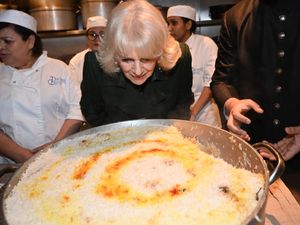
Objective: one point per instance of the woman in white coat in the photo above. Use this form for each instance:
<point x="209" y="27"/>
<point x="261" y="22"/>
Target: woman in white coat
<point x="95" y="28"/>
<point x="182" y="25"/>
<point x="39" y="102"/>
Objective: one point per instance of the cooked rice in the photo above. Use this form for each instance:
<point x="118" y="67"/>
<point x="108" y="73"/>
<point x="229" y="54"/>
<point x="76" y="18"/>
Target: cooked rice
<point x="132" y="176"/>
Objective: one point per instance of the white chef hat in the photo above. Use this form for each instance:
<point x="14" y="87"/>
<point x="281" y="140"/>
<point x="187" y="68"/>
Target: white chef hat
<point x="19" y="18"/>
<point x="96" y="21"/>
<point x="182" y="11"/>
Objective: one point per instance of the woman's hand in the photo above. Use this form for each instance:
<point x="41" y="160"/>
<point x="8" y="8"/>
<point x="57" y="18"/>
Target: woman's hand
<point x="235" y="109"/>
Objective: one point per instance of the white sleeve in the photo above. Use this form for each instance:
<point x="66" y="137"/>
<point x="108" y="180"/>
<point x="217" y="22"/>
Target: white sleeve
<point x="74" y="96"/>
<point x="210" y="55"/>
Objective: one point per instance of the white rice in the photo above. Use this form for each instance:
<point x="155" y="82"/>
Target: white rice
<point x="135" y="177"/>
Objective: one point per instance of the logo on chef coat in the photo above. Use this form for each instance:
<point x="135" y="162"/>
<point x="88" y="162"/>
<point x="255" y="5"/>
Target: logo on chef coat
<point x="56" y="80"/>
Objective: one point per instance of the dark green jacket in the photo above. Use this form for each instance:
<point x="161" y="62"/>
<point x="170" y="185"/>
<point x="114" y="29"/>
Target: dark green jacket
<point x="113" y="98"/>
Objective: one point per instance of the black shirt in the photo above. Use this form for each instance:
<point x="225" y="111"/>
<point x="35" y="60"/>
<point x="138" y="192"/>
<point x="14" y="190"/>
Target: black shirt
<point x="113" y="98"/>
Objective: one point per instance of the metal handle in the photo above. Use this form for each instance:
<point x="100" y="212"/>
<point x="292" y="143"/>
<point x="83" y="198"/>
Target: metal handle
<point x="279" y="168"/>
<point x="7" y="168"/>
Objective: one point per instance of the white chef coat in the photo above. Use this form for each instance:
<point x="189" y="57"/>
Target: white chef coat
<point x="76" y="65"/>
<point x="35" y="102"/>
<point x="204" y="54"/>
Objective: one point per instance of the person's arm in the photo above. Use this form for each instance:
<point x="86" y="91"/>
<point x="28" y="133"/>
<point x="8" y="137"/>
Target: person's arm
<point x="13" y="151"/>
<point x="76" y="66"/>
<point x="69" y="127"/>
<point x="222" y="80"/>
<point x="203" y="99"/>
<point x="185" y="95"/>
<point x="222" y="85"/>
<point x="235" y="109"/>
<point x="210" y="53"/>
<point x="91" y="103"/>
<point x="289" y="146"/>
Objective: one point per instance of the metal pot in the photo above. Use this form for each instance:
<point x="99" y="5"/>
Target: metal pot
<point x="54" y="19"/>
<point x="96" y="8"/>
<point x="3" y="7"/>
<point x="35" y="4"/>
<point x="53" y="15"/>
<point x="220" y="143"/>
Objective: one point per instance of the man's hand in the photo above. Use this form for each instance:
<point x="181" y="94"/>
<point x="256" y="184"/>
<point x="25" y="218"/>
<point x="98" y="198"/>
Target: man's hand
<point x="289" y="146"/>
<point x="235" y="109"/>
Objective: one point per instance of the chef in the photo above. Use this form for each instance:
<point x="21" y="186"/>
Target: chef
<point x="95" y="32"/>
<point x="182" y="25"/>
<point x="39" y="102"/>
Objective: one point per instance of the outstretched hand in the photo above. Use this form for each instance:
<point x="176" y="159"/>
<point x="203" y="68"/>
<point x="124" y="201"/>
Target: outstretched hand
<point x="236" y="109"/>
<point x="289" y="146"/>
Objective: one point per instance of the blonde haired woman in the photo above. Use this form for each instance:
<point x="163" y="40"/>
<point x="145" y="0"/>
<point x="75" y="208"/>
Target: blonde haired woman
<point x="140" y="72"/>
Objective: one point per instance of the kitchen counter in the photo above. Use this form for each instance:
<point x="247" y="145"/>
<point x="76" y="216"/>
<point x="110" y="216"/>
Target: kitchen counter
<point x="282" y="207"/>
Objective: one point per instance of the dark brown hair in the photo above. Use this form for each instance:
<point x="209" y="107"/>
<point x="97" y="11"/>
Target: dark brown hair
<point x="37" y="49"/>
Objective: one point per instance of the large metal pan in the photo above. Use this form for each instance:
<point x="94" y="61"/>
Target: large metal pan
<point x="219" y="143"/>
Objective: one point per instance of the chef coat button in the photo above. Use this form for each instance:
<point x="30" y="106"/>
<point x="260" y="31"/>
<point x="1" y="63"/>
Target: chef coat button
<point x="276" y="122"/>
<point x="280" y="53"/>
<point x="279" y="71"/>
<point x="278" y="89"/>
<point x="14" y="82"/>
<point x="277" y="105"/>
<point x="282" y="17"/>
<point x="281" y="35"/>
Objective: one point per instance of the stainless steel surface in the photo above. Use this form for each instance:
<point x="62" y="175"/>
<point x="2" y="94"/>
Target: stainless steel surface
<point x="96" y="8"/>
<point x="64" y="47"/>
<point x="54" y="19"/>
<point x="206" y="26"/>
<point x="49" y="4"/>
<point x="202" y="16"/>
<point x="53" y="15"/>
<point x="8" y="168"/>
<point x="217" y="142"/>
<point x="3" y="7"/>
<point x="280" y="167"/>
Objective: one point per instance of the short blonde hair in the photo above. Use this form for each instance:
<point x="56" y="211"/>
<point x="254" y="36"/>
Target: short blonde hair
<point x="136" y="25"/>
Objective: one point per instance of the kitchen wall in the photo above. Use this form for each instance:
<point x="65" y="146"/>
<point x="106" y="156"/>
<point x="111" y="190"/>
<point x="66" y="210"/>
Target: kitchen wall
<point x="64" y="45"/>
<point x="202" y="7"/>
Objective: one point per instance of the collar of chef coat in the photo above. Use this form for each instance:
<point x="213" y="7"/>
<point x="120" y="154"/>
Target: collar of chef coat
<point x="36" y="66"/>
<point x="190" y="40"/>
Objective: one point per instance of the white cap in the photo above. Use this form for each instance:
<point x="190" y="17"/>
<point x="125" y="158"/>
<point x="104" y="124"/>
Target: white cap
<point x="182" y="11"/>
<point x="19" y="18"/>
<point x="96" y="21"/>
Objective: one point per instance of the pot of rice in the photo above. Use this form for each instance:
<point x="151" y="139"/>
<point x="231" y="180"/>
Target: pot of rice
<point x="143" y="172"/>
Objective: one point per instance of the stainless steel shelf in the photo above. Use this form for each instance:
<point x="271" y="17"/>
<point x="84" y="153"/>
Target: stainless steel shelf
<point x="55" y="34"/>
<point x="68" y="33"/>
<point x="208" y="23"/>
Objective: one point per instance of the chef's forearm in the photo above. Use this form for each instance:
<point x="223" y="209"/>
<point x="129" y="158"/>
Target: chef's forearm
<point x="69" y="127"/>
<point x="203" y="99"/>
<point x="13" y="151"/>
